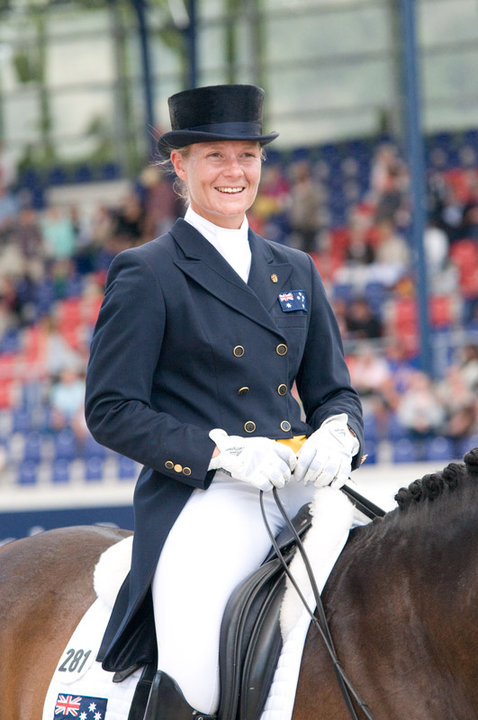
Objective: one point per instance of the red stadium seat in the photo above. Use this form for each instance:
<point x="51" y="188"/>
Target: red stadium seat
<point x="464" y="255"/>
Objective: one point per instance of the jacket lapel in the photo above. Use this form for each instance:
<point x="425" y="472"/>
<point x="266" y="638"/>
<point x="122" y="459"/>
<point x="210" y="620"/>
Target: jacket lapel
<point x="267" y="276"/>
<point x="208" y="268"/>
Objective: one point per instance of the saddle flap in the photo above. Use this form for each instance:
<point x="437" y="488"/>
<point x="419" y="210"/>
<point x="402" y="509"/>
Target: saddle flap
<point x="262" y="654"/>
<point x="236" y="631"/>
<point x="251" y="641"/>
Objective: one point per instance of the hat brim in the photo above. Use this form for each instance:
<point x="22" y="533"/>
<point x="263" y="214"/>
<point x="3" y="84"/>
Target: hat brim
<point x="176" y="139"/>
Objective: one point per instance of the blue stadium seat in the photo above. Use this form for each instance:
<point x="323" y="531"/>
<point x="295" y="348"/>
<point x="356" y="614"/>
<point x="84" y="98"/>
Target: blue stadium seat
<point x="94" y="469"/>
<point x="343" y="291"/>
<point x="370" y="452"/>
<point x="74" y="286"/>
<point x="33" y="448"/>
<point x="61" y="471"/>
<point x="439" y="448"/>
<point x="468" y="444"/>
<point x="371" y="427"/>
<point x="27" y="473"/>
<point x="127" y="468"/>
<point x="404" y="451"/>
<point x="395" y="430"/>
<point x="11" y="341"/>
<point x="112" y="171"/>
<point x="21" y="421"/>
<point x="93" y="449"/>
<point x="64" y="445"/>
<point x="83" y="174"/>
<point x="45" y="297"/>
<point x="375" y="293"/>
<point x="57" y="176"/>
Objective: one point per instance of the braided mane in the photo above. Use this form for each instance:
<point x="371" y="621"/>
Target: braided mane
<point x="431" y="486"/>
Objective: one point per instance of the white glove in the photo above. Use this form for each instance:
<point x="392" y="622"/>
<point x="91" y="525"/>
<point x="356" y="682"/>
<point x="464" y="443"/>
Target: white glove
<point x="326" y="456"/>
<point x="259" y="461"/>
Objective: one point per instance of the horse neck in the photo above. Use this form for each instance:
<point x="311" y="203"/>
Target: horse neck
<point x="436" y="538"/>
<point x="402" y="604"/>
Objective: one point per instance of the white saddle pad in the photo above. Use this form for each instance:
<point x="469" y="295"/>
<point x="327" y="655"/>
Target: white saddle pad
<point x="81" y="689"/>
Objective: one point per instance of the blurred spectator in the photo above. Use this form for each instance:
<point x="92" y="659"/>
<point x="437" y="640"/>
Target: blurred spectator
<point x="469" y="365"/>
<point x="391" y="247"/>
<point x="128" y="227"/>
<point x="469" y="221"/>
<point x="360" y="250"/>
<point x="360" y="320"/>
<point x="273" y="193"/>
<point x="8" y="322"/>
<point x="27" y="236"/>
<point x="8" y="168"/>
<point x="445" y="211"/>
<point x="58" y="233"/>
<point x="371" y="376"/>
<point x="388" y="184"/>
<point x="56" y="355"/>
<point x="67" y="403"/>
<point x="305" y="203"/>
<point x="161" y="204"/>
<point x="369" y="371"/>
<point x="400" y="365"/>
<point x="339" y="306"/>
<point x="459" y="404"/>
<point x="436" y="249"/>
<point x="419" y="409"/>
<point x="8" y="211"/>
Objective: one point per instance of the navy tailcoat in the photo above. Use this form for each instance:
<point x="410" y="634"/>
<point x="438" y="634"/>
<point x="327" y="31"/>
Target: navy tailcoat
<point x="182" y="345"/>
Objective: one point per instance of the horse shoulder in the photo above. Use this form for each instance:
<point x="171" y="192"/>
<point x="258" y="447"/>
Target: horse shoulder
<point x="46" y="585"/>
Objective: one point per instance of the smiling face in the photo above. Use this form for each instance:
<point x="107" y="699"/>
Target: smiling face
<point x="222" y="178"/>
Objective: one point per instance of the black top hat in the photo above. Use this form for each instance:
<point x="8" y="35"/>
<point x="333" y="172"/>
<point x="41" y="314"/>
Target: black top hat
<point x="217" y="112"/>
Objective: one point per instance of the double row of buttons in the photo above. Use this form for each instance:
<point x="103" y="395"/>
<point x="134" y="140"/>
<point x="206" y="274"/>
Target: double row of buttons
<point x="238" y="350"/>
<point x="281" y="390"/>
<point x="250" y="426"/>
<point x="169" y="465"/>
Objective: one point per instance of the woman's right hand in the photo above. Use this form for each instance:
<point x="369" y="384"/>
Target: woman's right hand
<point x="259" y="461"/>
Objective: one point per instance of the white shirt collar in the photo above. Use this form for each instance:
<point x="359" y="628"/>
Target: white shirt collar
<point x="233" y="245"/>
<point x="211" y="231"/>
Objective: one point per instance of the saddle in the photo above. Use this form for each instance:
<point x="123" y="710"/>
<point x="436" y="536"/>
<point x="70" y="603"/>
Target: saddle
<point x="250" y="641"/>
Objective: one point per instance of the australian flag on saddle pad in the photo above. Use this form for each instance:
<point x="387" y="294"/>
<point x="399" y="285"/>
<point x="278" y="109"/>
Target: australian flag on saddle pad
<point x="292" y="300"/>
<point x="81" y="707"/>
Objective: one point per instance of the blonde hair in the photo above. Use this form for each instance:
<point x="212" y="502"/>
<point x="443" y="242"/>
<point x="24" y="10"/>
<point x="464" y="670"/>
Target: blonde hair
<point x="179" y="186"/>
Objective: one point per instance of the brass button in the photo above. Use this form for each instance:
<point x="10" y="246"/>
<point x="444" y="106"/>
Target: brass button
<point x="178" y="468"/>
<point x="281" y="349"/>
<point x="186" y="471"/>
<point x="169" y="465"/>
<point x="285" y="426"/>
<point x="243" y="390"/>
<point x="249" y="426"/>
<point x="238" y="351"/>
<point x="282" y="389"/>
<point x="274" y="278"/>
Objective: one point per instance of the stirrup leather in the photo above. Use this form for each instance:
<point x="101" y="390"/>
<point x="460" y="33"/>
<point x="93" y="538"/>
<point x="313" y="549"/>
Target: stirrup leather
<point x="167" y="702"/>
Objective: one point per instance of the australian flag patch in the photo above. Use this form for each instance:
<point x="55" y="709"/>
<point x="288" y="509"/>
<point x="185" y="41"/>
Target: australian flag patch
<point x="292" y="300"/>
<point x="82" y="707"/>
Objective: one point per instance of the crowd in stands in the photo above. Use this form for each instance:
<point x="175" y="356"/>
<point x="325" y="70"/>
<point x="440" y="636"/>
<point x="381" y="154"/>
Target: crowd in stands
<point x="350" y="211"/>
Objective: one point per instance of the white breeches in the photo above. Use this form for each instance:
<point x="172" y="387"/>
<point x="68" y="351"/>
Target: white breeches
<point x="218" y="540"/>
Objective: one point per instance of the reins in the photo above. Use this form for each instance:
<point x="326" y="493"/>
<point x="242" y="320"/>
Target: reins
<point x="321" y="623"/>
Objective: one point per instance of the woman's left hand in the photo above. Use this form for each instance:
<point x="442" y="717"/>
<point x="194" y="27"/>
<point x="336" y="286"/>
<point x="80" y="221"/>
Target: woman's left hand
<point x="326" y="456"/>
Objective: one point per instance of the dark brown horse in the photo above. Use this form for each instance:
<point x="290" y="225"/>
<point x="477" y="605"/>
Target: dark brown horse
<point x="402" y="603"/>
